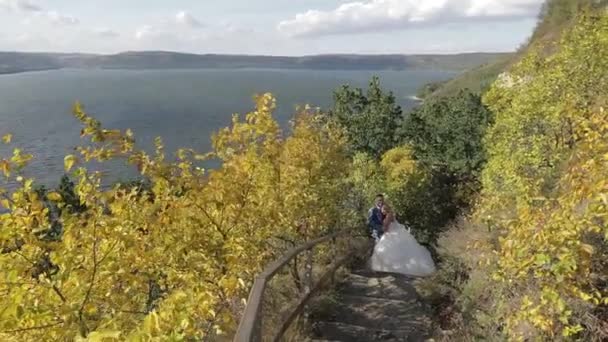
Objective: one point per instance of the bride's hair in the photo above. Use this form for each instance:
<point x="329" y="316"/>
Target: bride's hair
<point x="387" y="208"/>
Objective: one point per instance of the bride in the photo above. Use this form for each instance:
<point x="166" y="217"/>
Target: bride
<point x="399" y="252"/>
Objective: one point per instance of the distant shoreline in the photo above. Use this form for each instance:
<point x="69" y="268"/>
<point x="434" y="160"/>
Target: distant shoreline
<point x="412" y="97"/>
<point x="3" y="72"/>
<point x="19" y="62"/>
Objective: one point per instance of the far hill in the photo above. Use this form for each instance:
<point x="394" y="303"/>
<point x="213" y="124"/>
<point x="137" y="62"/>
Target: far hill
<point x="11" y="62"/>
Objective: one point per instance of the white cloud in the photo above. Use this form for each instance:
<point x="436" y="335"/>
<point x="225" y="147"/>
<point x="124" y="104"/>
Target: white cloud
<point x="377" y="15"/>
<point x="32" y="10"/>
<point x="19" y="5"/>
<point x="179" y="28"/>
<point x="160" y="35"/>
<point x="106" y="33"/>
<point x="187" y="19"/>
<point x="61" y="19"/>
<point x="27" y="6"/>
<point x="227" y="28"/>
<point x="145" y="32"/>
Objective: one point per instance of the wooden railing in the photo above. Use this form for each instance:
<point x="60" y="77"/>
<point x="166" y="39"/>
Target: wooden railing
<point x="250" y="327"/>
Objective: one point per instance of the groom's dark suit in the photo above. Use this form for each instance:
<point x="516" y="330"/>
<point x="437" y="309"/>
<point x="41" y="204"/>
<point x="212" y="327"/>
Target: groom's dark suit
<point x="375" y="220"/>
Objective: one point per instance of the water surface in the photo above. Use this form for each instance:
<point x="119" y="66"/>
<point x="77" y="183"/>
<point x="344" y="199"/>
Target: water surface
<point x="184" y="107"/>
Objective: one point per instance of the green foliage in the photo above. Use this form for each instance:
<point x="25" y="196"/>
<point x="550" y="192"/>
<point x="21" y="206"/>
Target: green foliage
<point x="68" y="194"/>
<point x="431" y="173"/>
<point x="477" y="80"/>
<point x="428" y="208"/>
<point x="447" y="134"/>
<point x="428" y="89"/>
<point x="370" y="118"/>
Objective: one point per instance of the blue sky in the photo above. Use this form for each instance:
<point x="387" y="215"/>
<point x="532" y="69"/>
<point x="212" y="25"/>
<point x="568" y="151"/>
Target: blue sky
<point x="270" y="27"/>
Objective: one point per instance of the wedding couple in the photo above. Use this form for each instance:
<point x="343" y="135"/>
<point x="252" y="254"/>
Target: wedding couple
<point x="396" y="250"/>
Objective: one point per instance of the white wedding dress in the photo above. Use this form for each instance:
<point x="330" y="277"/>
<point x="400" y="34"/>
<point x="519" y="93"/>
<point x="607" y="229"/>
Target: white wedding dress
<point x="399" y="252"/>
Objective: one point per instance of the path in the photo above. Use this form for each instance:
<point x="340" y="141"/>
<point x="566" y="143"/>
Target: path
<point x="375" y="307"/>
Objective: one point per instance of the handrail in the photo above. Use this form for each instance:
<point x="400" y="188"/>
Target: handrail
<point x="324" y="278"/>
<point x="250" y="325"/>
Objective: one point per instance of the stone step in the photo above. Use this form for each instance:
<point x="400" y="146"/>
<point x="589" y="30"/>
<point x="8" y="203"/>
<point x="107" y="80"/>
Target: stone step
<point x="354" y="333"/>
<point x="381" y="313"/>
<point x="375" y="306"/>
<point x="387" y="286"/>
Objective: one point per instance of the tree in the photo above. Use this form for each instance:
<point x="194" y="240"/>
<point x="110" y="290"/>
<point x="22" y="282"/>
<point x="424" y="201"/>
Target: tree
<point x="421" y="198"/>
<point x="173" y="259"/>
<point x="447" y="134"/>
<point x="370" y="118"/>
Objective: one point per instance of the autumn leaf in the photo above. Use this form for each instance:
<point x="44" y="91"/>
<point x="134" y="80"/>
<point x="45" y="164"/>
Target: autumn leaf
<point x="68" y="162"/>
<point x="54" y="196"/>
<point x="7" y="138"/>
<point x="5" y="167"/>
<point x="102" y="335"/>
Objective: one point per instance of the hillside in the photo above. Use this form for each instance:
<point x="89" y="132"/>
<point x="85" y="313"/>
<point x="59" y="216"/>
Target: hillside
<point x="477" y="80"/>
<point x="527" y="259"/>
<point x="554" y="17"/>
<point x="14" y="62"/>
<point x="11" y="62"/>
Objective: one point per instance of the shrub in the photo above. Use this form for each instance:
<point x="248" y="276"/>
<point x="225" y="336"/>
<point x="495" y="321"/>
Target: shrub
<point x="370" y="119"/>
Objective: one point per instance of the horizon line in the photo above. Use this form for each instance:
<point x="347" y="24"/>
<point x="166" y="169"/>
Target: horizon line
<point x="261" y="55"/>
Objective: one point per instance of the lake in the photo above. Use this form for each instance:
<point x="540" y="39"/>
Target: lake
<point x="184" y="107"/>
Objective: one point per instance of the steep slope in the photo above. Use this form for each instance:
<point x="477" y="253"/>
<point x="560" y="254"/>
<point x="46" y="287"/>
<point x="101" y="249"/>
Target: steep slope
<point x="530" y="262"/>
<point x="555" y="16"/>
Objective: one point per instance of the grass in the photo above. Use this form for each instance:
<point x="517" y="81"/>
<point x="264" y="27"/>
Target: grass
<point x="459" y="292"/>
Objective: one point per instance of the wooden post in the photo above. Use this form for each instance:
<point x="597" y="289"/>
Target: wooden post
<point x="333" y="254"/>
<point x="307" y="277"/>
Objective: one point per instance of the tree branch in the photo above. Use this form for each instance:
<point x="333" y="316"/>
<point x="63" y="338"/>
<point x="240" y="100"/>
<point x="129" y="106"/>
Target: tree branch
<point x="6" y="197"/>
<point x="32" y="328"/>
<point x="58" y="292"/>
<point x="242" y="203"/>
<point x="213" y="222"/>
<point x="83" y="327"/>
<point x="135" y="312"/>
<point x="103" y="258"/>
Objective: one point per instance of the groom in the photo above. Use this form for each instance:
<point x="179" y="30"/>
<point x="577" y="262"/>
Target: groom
<point x="375" y="218"/>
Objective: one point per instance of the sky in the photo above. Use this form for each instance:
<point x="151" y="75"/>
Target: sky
<point x="267" y="27"/>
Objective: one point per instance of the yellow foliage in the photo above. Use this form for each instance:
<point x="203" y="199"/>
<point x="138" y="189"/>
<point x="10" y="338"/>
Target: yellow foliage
<point x="399" y="164"/>
<point x="167" y="263"/>
<point x="546" y="181"/>
<point x="7" y="138"/>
